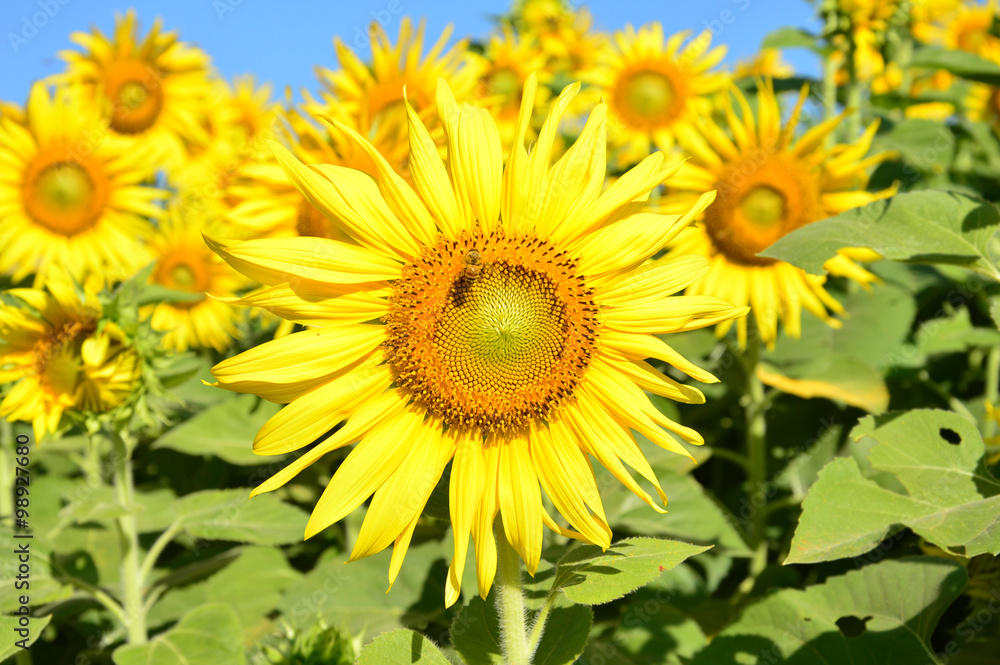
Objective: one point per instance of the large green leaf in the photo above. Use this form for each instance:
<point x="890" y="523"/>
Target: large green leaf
<point x="225" y="430"/>
<point x="207" y="635"/>
<point x="949" y="499"/>
<point x="883" y="613"/>
<point x="353" y="595"/>
<point x="961" y="63"/>
<point x="919" y="227"/>
<point x="401" y="647"/>
<point x="10" y="625"/>
<point x="921" y="143"/>
<point x="791" y="37"/>
<point x="233" y="515"/>
<point x="565" y="636"/>
<point x="592" y="577"/>
<point x="252" y="585"/>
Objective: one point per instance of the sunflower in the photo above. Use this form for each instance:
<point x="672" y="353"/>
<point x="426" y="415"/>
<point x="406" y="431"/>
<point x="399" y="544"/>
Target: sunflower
<point x="372" y="96"/>
<point x="184" y="263"/>
<point x="961" y="26"/>
<point x="765" y="64"/>
<point x="67" y="197"/>
<point x="868" y="21"/>
<point x="769" y="184"/>
<point x="494" y="317"/>
<point x="56" y="358"/>
<point x="504" y="67"/>
<point x="152" y="91"/>
<point x="655" y="88"/>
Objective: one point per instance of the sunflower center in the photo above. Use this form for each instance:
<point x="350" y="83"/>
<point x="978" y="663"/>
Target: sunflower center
<point x="185" y="268"/>
<point x="763" y="207"/>
<point x="134" y="89"/>
<point x="506" y="83"/>
<point x="64" y="193"/>
<point x="649" y="94"/>
<point x="972" y="33"/>
<point x="56" y="354"/>
<point x="491" y="331"/>
<point x="759" y="200"/>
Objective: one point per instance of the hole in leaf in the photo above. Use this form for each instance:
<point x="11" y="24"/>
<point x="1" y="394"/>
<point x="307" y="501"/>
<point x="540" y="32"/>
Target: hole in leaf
<point x="950" y="435"/>
<point x="852" y="626"/>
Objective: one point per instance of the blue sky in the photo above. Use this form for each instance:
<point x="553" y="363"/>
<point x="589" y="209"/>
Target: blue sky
<point x="282" y="42"/>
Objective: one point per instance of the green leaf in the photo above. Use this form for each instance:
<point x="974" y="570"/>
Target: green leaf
<point x="652" y="631"/>
<point x="960" y="63"/>
<point x="475" y="633"/>
<point x="354" y="596"/>
<point x="207" y="635"/>
<point x="844" y="364"/>
<point x="918" y="227"/>
<point x="883" y="613"/>
<point x="401" y="647"/>
<point x="233" y="515"/>
<point x="92" y="505"/>
<point x="949" y="499"/>
<point x="790" y="37"/>
<point x="921" y="143"/>
<point x="225" y="430"/>
<point x="565" y="636"/>
<point x="592" y="577"/>
<point x="9" y="627"/>
<point x="953" y="334"/>
<point x="252" y="585"/>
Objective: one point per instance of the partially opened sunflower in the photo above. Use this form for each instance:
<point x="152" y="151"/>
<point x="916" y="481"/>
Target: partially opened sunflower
<point x="495" y="317"/>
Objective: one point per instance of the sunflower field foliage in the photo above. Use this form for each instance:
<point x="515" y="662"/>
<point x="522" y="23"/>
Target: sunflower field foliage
<point x="560" y="344"/>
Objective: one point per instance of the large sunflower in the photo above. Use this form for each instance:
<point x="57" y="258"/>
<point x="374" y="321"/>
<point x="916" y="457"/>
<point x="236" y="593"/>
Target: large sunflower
<point x="516" y="312"/>
<point x="56" y="358"/>
<point x="184" y="263"/>
<point x="769" y="184"/>
<point x="961" y="26"/>
<point x="68" y="198"/>
<point x="153" y="91"/>
<point x="655" y="88"/>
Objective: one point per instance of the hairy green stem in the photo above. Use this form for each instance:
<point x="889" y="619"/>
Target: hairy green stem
<point x="510" y="603"/>
<point x="128" y="537"/>
<point x="755" y="409"/>
<point x="154" y="552"/>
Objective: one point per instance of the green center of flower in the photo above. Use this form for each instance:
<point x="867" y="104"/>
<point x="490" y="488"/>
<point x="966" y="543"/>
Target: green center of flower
<point x="491" y="331"/>
<point x="763" y="207"/>
<point x="502" y="330"/>
<point x="65" y="187"/>
<point x="183" y="276"/>
<point x="132" y="95"/>
<point x="649" y="94"/>
<point x="506" y="83"/>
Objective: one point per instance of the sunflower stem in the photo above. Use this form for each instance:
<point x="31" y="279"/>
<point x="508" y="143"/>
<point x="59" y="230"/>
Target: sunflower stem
<point x="7" y="446"/>
<point x="510" y="603"/>
<point x="992" y="388"/>
<point x="128" y="538"/>
<point x="755" y="410"/>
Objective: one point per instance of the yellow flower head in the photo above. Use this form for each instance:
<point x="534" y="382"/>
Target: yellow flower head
<point x="655" y="88"/>
<point x="57" y="358"/>
<point x="372" y="96"/>
<point x="769" y="184"/>
<point x="766" y="64"/>
<point x="152" y="91"/>
<point x="495" y="317"/>
<point x="184" y="263"/>
<point x="68" y="197"/>
<point x="961" y="26"/>
<point x="504" y="68"/>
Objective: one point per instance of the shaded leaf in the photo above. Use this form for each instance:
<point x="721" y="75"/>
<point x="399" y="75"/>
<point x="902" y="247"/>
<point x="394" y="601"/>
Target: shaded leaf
<point x="10" y="625"/>
<point x="475" y="633"/>
<point x="233" y="515"/>
<point x="225" y="430"/>
<point x="565" y="636"/>
<point x="207" y="635"/>
<point x="884" y="613"/>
